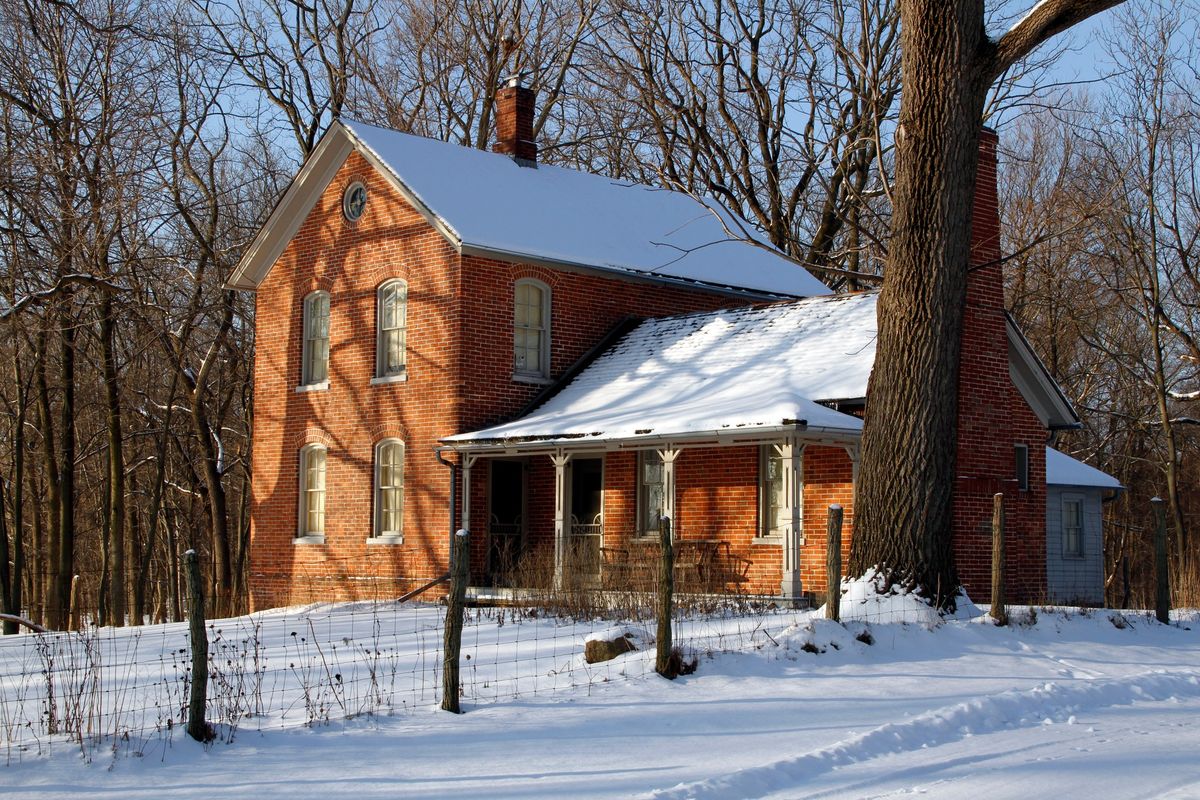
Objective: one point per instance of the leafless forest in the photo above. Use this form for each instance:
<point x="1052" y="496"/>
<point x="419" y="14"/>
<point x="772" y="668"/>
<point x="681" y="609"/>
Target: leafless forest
<point x="142" y="142"/>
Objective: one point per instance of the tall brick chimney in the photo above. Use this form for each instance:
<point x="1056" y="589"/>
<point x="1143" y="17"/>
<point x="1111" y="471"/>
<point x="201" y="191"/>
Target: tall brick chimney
<point x="514" y="123"/>
<point x="996" y="428"/>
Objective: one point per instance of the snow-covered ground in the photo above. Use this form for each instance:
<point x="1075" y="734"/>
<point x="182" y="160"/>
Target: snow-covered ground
<point x="1074" y="704"/>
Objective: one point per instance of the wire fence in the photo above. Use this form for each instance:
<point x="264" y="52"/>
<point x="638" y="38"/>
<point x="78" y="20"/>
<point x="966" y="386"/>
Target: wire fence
<point x="127" y="688"/>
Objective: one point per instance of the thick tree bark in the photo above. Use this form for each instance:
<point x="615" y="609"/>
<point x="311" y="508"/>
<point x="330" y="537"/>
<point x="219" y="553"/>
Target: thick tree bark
<point x="904" y="494"/>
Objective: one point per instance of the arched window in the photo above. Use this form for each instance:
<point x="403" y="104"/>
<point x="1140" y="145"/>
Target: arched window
<point x="312" y="490"/>
<point x="531" y="329"/>
<point x="316" y="339"/>
<point x="391" y="315"/>
<point x="389" y="489"/>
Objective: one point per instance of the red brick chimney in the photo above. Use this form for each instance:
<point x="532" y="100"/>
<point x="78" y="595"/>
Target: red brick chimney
<point x="514" y="123"/>
<point x="996" y="427"/>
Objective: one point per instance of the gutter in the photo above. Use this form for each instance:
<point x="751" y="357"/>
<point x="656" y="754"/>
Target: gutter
<point x="724" y="436"/>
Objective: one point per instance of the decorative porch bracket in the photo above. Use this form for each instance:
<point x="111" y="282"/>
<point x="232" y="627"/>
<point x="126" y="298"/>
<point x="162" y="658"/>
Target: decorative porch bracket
<point x="468" y="461"/>
<point x="852" y="451"/>
<point x="791" y="453"/>
<point x="668" y="457"/>
<point x="561" y="517"/>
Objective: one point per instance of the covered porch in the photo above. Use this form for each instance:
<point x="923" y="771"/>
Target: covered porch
<point x="746" y="509"/>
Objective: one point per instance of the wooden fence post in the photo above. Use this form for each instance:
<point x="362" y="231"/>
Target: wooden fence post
<point x="73" y="607"/>
<point x="833" y="565"/>
<point x="1162" y="594"/>
<point x="999" y="609"/>
<point x="460" y="555"/>
<point x="666" y="588"/>
<point x="197" y="726"/>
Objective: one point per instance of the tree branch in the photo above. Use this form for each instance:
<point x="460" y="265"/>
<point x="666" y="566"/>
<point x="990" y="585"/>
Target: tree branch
<point x="1047" y="19"/>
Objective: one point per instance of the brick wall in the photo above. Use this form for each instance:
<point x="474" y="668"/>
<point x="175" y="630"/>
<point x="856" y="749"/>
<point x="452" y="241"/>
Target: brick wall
<point x="459" y="378"/>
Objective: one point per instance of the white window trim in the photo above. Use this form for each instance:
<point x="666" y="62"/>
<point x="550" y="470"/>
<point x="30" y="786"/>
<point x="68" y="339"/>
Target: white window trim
<point x="541" y="375"/>
<point x="307" y="384"/>
<point x="1062" y="523"/>
<point x="764" y="534"/>
<point x="381" y="375"/>
<point x="377" y="536"/>
<point x="639" y="532"/>
<point x="303" y="536"/>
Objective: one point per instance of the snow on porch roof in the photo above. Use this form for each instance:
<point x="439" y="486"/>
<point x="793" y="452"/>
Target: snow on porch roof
<point x="731" y="371"/>
<point x="563" y="216"/>
<point x="1062" y="470"/>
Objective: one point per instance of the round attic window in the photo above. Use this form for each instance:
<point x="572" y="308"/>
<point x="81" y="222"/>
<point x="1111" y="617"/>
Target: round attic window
<point x="354" y="201"/>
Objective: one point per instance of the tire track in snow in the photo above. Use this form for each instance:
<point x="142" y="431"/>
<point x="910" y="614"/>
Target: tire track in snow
<point x="1004" y="711"/>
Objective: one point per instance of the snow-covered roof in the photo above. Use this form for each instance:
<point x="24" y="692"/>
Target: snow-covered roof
<point x="1062" y="470"/>
<point x="731" y="371"/>
<point x="487" y="204"/>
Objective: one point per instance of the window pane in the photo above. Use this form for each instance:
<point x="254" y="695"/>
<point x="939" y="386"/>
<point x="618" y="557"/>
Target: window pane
<point x="777" y="512"/>
<point x="316" y="338"/>
<point x="314" y="490"/>
<point x="390" y="489"/>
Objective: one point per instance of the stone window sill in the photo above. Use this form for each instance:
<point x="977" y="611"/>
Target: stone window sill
<point x="385" y="540"/>
<point x="316" y="538"/>
<point x="537" y="380"/>
<point x="384" y="380"/>
<point x="775" y="541"/>
<point x="323" y="386"/>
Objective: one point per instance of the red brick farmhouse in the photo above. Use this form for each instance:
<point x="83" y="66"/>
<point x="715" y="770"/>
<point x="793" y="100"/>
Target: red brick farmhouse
<point x="578" y="356"/>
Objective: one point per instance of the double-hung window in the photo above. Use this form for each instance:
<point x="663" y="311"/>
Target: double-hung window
<point x="312" y="491"/>
<point x="391" y="315"/>
<point x="316" y="339"/>
<point x="389" y="489"/>
<point x="651" y="496"/>
<point x="531" y="329"/>
<point x="776" y="511"/>
<point x="1072" y="527"/>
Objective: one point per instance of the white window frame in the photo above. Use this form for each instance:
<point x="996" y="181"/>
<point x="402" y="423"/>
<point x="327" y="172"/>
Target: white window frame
<point x="304" y="531"/>
<point x="308" y="373"/>
<point x="378" y="531"/>
<point x="646" y="458"/>
<point x="1081" y="550"/>
<point x="543" y="371"/>
<point x="766" y="454"/>
<point x="382" y="372"/>
<point x="1021" y="459"/>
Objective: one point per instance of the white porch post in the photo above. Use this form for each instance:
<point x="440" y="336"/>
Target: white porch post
<point x="562" y="519"/>
<point x="668" y="457"/>
<point x="468" y="461"/>
<point x="791" y="453"/>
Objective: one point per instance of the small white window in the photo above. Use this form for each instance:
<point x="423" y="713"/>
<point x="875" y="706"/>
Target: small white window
<point x="316" y="339"/>
<point x="1021" y="453"/>
<point x="531" y="329"/>
<point x="312" y="490"/>
<point x="391" y="317"/>
<point x="776" y="513"/>
<point x="389" y="489"/>
<point x="651" y="496"/>
<point x="1072" y="527"/>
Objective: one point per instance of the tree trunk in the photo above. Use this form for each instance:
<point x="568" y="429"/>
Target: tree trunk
<point x="54" y="611"/>
<point x="66" y="479"/>
<point x="903" y="498"/>
<point x="903" y="503"/>
<point x="116" y="465"/>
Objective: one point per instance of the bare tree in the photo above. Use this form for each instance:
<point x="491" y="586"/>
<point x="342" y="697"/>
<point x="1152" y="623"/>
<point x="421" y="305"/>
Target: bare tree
<point x="906" y="478"/>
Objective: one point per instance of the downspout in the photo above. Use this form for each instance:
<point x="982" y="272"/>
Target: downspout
<point x="453" y="502"/>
